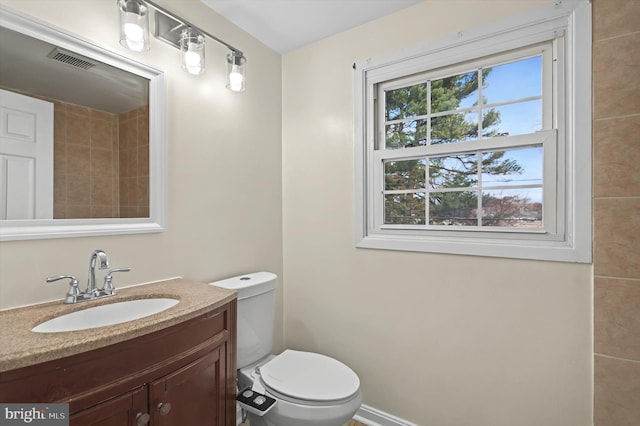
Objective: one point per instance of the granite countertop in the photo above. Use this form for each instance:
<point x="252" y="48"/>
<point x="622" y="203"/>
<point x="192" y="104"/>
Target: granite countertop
<point x="21" y="347"/>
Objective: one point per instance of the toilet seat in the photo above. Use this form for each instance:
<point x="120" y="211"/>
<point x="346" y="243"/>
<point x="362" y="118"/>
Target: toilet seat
<point x="308" y="376"/>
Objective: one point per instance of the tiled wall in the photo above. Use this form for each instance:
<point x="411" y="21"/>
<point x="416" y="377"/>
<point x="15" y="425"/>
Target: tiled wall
<point x="101" y="163"/>
<point x="85" y="163"/>
<point x="616" y="179"/>
<point x="134" y="163"/>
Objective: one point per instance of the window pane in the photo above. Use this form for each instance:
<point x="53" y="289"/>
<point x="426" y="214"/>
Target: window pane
<point x="404" y="209"/>
<point x="453" y="208"/>
<point x="457" y="127"/>
<point x="516" y="119"/>
<point x="404" y="174"/>
<point x="457" y="171"/>
<point x="513" y="167"/>
<point x="517" y="208"/>
<point x="406" y="134"/>
<point x="451" y="93"/>
<point x="406" y="102"/>
<point x="515" y="80"/>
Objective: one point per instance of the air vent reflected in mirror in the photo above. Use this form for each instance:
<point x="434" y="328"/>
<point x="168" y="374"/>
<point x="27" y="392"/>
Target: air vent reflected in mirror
<point x="72" y="59"/>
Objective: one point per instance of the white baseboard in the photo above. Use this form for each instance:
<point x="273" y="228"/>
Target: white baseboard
<point x="373" y="417"/>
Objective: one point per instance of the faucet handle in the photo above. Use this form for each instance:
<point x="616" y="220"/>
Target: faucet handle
<point x="73" y="293"/>
<point x="108" y="288"/>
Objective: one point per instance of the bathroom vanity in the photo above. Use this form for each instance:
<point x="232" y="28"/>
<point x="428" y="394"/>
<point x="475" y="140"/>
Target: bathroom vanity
<point x="177" y="367"/>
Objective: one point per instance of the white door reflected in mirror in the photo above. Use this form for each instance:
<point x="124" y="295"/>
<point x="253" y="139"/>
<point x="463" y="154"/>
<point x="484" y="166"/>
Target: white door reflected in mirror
<point x="26" y="157"/>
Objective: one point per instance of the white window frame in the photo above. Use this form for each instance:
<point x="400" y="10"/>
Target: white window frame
<point x="547" y="138"/>
<point x="566" y="234"/>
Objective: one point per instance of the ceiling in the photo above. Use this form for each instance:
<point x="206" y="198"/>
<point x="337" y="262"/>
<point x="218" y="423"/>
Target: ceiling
<point x="285" y="25"/>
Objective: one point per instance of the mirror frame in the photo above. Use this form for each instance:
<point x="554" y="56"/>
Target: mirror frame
<point x="64" y="228"/>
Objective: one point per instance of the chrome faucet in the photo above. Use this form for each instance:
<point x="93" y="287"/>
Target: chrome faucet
<point x="108" y="289"/>
<point x="73" y="294"/>
<point x="101" y="257"/>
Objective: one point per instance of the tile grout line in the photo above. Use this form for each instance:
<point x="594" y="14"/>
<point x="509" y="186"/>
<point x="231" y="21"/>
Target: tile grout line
<point x="617" y="198"/>
<point x="616" y="278"/>
<point x="632" y="33"/>
<point x="617" y="358"/>
<point x="617" y="117"/>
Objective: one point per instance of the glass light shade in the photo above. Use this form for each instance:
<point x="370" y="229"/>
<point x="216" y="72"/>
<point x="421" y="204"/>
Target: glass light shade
<point x="192" y="51"/>
<point x="235" y="72"/>
<point x="134" y="25"/>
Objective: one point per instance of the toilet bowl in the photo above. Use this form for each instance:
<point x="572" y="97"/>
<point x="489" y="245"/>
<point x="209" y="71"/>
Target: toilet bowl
<point x="310" y="389"/>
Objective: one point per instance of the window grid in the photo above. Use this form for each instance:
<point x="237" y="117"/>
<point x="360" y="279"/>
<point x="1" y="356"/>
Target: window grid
<point x="478" y="110"/>
<point x="403" y="119"/>
<point x="478" y="189"/>
<point x="544" y="51"/>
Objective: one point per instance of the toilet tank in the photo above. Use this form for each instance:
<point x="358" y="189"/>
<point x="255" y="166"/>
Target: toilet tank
<point x="256" y="314"/>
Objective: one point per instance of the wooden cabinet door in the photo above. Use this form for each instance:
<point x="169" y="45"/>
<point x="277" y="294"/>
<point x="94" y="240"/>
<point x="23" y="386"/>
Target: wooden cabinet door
<point x="119" y="411"/>
<point x="192" y="395"/>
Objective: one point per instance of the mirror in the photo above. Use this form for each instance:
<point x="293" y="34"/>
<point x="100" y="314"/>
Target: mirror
<point x="82" y="136"/>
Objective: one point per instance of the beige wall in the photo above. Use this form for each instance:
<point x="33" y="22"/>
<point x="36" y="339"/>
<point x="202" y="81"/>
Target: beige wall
<point x="616" y="178"/>
<point x="223" y="163"/>
<point x="436" y="339"/>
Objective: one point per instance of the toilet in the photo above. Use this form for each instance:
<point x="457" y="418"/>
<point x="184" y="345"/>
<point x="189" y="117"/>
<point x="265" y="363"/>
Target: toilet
<point x="309" y="389"/>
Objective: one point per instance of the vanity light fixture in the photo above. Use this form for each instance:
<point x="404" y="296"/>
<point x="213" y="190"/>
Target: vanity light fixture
<point x="189" y="39"/>
<point x="134" y="25"/>
<point x="235" y="71"/>
<point x="192" y="51"/>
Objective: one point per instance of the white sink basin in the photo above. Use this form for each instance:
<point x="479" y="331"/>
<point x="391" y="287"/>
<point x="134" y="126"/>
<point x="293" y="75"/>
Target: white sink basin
<point x="103" y="315"/>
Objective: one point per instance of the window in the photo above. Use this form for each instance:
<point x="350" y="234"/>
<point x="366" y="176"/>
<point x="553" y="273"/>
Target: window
<point x="472" y="146"/>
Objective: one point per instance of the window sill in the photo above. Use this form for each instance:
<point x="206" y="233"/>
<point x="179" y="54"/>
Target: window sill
<point x="558" y="251"/>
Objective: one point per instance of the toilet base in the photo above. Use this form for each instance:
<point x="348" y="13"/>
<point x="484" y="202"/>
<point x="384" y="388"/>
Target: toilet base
<point x="286" y="413"/>
<point x="260" y="421"/>
<point x="255" y="420"/>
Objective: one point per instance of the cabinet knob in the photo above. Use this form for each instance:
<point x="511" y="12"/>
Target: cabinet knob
<point x="143" y="419"/>
<point x="164" y="408"/>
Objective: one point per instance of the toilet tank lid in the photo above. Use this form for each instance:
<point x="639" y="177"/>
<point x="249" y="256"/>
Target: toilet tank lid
<point x="249" y="285"/>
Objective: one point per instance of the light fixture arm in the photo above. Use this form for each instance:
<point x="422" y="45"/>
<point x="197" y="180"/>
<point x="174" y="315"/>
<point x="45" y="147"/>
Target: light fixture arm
<point x="164" y="11"/>
<point x="179" y="33"/>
